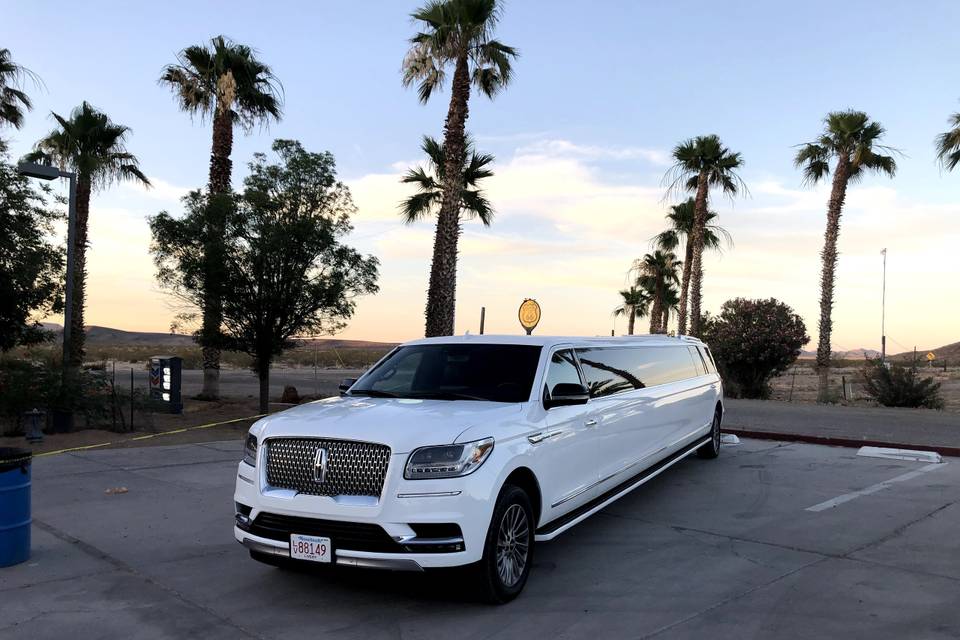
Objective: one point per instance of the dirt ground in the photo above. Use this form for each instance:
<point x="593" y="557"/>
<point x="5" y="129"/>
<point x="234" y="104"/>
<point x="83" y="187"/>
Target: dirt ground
<point x="799" y="384"/>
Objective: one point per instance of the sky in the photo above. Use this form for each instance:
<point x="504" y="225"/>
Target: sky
<point x="582" y="137"/>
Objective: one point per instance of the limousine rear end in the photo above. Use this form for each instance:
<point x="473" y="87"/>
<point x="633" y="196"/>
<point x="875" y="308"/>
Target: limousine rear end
<point x="471" y="450"/>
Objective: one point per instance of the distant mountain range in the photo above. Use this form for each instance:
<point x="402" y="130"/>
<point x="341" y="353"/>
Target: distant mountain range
<point x="853" y="354"/>
<point x="108" y="336"/>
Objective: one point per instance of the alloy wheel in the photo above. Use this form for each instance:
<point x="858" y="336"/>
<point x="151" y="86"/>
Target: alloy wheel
<point x="513" y="545"/>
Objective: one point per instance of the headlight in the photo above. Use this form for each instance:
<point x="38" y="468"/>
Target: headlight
<point x="447" y="461"/>
<point x="250" y="450"/>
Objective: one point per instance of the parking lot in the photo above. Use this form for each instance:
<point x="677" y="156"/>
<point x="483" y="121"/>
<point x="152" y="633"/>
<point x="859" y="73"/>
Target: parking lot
<point x="720" y="549"/>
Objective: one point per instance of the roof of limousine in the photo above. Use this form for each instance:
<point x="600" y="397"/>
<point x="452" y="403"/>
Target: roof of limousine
<point x="550" y="341"/>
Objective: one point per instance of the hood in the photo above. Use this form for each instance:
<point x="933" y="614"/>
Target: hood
<point x="402" y="424"/>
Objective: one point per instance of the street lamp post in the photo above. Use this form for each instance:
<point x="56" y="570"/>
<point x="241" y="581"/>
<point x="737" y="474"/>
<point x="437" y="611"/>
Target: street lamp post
<point x="44" y="172"/>
<point x="883" y="311"/>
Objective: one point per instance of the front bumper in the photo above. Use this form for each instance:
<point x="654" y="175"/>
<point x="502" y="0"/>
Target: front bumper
<point x="465" y="503"/>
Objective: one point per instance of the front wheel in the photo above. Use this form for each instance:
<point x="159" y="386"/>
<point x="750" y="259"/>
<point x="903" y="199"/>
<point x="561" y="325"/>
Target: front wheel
<point x="711" y="449"/>
<point x="508" y="551"/>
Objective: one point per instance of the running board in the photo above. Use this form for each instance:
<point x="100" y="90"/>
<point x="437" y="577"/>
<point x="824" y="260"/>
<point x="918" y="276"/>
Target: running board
<point x="552" y="529"/>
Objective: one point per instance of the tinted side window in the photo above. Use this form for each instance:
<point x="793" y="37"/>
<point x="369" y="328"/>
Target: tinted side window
<point x="697" y="361"/>
<point x="708" y="359"/>
<point x="562" y="369"/>
<point x="668" y="364"/>
<point x="610" y="370"/>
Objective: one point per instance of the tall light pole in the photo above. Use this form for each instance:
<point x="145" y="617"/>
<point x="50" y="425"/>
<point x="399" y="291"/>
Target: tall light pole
<point x="44" y="172"/>
<point x="883" y="311"/>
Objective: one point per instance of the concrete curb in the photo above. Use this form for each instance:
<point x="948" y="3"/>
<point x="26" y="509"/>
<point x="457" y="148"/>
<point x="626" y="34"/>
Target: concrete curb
<point x="839" y="442"/>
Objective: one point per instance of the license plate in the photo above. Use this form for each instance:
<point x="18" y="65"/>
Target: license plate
<point x="312" y="548"/>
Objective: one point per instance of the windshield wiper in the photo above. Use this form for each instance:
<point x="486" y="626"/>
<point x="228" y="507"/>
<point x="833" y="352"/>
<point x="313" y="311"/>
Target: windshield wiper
<point x="373" y="393"/>
<point x="446" y="395"/>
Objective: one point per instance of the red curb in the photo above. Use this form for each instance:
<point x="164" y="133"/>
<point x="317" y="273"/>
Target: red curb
<point x="840" y="442"/>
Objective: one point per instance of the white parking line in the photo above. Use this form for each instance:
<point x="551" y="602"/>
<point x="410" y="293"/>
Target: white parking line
<point x="847" y="497"/>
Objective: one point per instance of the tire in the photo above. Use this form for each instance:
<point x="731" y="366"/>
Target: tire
<point x="711" y="449"/>
<point x="511" y="527"/>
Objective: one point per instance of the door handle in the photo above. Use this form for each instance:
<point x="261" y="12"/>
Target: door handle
<point x="590" y="423"/>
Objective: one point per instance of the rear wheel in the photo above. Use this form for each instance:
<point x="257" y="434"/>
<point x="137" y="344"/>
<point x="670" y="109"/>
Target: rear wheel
<point x="508" y="551"/>
<point x="711" y="449"/>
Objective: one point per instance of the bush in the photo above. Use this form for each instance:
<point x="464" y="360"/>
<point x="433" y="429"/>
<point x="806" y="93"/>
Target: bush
<point x="753" y="341"/>
<point x="896" y="385"/>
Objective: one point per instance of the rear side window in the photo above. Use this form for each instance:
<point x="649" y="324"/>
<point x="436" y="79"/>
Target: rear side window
<point x="697" y="361"/>
<point x="610" y="370"/>
<point x="708" y="359"/>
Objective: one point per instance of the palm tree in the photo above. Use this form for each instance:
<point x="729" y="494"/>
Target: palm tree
<point x="94" y="147"/>
<point x="14" y="102"/>
<point x="681" y="219"/>
<point x="948" y="144"/>
<point x="702" y="163"/>
<point x="655" y="273"/>
<point x="457" y="33"/>
<point x="228" y="84"/>
<point x="427" y="201"/>
<point x="671" y="302"/>
<point x="636" y="302"/>
<point x="852" y="140"/>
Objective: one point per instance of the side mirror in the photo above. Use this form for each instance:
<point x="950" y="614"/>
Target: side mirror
<point x="565" y="394"/>
<point x="345" y="385"/>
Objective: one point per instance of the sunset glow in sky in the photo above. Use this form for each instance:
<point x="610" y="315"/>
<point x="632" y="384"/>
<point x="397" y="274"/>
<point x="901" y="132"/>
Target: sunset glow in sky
<point x="582" y="139"/>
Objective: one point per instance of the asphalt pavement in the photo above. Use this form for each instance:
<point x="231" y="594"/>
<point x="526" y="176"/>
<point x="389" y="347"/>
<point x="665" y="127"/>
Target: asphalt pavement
<point x="771" y="540"/>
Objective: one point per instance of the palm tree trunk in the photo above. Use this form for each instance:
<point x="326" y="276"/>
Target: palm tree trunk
<point x="631" y="319"/>
<point x="220" y="169"/>
<point x="442" y="293"/>
<point x="77" y="335"/>
<point x="696" y="259"/>
<point x="666" y="319"/>
<point x="838" y="194"/>
<point x="684" y="288"/>
<point x="656" y="312"/>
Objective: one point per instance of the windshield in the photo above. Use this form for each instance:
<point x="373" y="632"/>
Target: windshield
<point x="492" y="372"/>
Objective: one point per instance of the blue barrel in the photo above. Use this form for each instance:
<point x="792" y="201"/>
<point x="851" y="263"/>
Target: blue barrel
<point x="14" y="506"/>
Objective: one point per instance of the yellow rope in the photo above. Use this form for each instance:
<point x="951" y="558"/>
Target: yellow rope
<point x="147" y="436"/>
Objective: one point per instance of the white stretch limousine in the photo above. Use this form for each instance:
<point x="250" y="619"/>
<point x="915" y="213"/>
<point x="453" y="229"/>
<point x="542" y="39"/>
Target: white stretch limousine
<point x="467" y="450"/>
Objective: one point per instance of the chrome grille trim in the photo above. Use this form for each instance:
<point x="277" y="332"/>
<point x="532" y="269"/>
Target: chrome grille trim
<point x="352" y="468"/>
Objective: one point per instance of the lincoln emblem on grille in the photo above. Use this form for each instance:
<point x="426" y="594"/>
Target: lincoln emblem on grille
<point x="320" y="466"/>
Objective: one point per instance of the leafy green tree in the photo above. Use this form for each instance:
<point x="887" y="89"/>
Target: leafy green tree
<point x="636" y="303"/>
<point x="286" y="272"/>
<point x="700" y="164"/>
<point x="429" y="182"/>
<point x="852" y="141"/>
<point x="681" y="218"/>
<point x="457" y="33"/>
<point x="655" y="273"/>
<point x="14" y="102"/>
<point x="753" y="341"/>
<point x="94" y="147"/>
<point x="226" y="83"/>
<point x="31" y="267"/>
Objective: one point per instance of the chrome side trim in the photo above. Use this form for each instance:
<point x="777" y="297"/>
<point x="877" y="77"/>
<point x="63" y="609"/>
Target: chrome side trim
<point x="390" y="564"/>
<point x="540" y="437"/>
<point x="281" y="549"/>
<point x="578" y="492"/>
<point x="414" y="540"/>
<point x="586" y="514"/>
<point x="429" y="494"/>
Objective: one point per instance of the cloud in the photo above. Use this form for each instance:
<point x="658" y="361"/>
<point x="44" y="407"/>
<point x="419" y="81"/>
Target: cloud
<point x="565" y="148"/>
<point x="159" y="189"/>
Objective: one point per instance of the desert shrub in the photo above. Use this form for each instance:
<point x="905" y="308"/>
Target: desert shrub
<point x="753" y="341"/>
<point x="897" y="385"/>
<point x="29" y="384"/>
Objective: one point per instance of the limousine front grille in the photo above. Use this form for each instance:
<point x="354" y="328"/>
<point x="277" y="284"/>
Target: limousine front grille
<point x="327" y="467"/>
